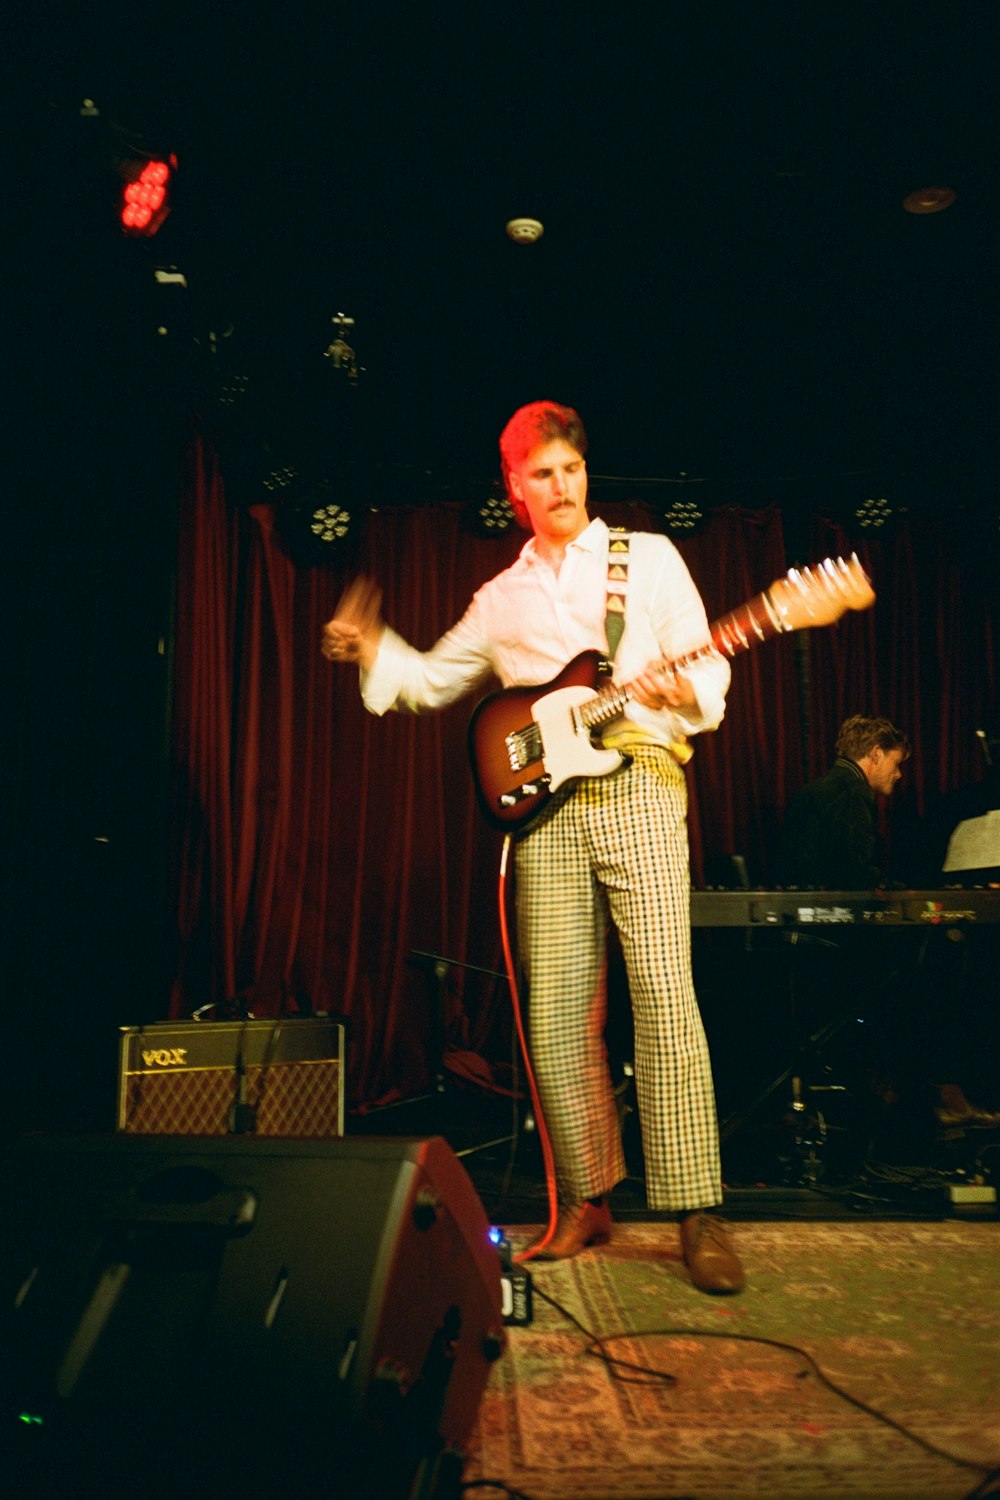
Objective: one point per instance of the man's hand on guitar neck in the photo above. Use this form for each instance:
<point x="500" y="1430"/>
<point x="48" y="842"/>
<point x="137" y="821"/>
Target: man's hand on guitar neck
<point x="354" y="633"/>
<point x="659" y="687"/>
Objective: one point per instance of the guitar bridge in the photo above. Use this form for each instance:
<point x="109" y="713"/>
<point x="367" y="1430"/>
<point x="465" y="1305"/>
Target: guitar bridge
<point x="524" y="747"/>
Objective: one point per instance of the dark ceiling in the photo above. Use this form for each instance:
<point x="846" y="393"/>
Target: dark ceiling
<point x="727" y="286"/>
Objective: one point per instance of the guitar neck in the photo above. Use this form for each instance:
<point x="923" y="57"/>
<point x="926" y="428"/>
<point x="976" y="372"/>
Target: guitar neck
<point x="756" y="621"/>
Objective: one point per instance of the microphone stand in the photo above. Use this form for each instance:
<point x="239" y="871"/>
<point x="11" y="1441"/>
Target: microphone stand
<point x="440" y="966"/>
<point x="436" y="1042"/>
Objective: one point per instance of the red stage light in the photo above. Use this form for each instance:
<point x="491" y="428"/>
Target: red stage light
<point x="146" y="199"/>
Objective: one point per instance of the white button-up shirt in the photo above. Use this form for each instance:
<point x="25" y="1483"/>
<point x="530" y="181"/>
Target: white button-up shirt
<point x="528" y="622"/>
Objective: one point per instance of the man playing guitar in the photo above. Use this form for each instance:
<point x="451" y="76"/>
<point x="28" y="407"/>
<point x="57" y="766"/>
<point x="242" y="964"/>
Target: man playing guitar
<point x="603" y="847"/>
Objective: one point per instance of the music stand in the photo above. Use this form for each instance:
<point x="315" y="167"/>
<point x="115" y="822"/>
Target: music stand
<point x="974" y="848"/>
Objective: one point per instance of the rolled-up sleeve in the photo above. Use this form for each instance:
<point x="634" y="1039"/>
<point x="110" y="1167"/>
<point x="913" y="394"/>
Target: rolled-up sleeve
<point x="408" y="680"/>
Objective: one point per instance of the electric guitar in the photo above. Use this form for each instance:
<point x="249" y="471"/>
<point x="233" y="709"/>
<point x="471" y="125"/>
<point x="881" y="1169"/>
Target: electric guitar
<point x="527" y="742"/>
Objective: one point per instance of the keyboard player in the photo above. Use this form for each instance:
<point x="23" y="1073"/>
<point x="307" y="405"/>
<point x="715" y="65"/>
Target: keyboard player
<point x="928" y="1015"/>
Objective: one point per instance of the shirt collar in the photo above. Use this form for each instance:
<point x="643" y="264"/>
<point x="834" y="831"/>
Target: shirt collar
<point x="593" y="538"/>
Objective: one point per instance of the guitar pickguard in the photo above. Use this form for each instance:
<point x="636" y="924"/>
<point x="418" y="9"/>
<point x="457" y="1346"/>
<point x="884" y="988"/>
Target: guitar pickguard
<point x="567" y="749"/>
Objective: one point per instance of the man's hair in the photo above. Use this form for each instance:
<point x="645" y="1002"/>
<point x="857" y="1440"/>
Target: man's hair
<point x="858" y="735"/>
<point x="530" y="426"/>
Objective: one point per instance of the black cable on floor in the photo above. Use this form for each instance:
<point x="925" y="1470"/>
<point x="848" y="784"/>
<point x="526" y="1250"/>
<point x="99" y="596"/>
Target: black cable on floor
<point x="600" y="1340"/>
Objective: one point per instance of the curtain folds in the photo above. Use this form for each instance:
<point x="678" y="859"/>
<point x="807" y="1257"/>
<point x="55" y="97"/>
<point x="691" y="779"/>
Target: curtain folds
<point x="324" y="858"/>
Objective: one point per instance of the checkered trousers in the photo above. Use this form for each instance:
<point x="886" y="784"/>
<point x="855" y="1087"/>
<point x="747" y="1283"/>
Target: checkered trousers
<point x="617" y="848"/>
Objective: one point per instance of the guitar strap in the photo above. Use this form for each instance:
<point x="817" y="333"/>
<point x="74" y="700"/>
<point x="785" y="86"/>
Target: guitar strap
<point x="614" y="620"/>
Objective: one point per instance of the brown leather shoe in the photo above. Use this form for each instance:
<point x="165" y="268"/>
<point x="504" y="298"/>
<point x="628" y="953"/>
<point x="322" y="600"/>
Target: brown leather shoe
<point x="578" y="1225"/>
<point x="711" y="1260"/>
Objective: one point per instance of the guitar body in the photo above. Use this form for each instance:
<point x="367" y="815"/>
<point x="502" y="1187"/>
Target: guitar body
<point x="525" y="743"/>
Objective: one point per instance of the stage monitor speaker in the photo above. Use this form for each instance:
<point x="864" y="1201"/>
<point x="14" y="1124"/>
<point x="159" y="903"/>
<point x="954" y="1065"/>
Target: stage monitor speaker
<point x="247" y="1317"/>
<point x="280" y="1077"/>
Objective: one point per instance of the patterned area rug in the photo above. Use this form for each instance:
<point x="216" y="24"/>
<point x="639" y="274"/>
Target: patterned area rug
<point x="903" y="1317"/>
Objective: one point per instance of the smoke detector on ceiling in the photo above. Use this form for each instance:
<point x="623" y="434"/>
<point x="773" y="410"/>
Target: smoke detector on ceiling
<point x="524" y="231"/>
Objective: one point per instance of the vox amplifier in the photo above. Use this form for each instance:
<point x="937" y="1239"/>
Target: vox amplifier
<point x="271" y="1078"/>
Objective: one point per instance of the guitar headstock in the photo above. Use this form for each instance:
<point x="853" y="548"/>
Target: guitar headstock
<point x="820" y="595"/>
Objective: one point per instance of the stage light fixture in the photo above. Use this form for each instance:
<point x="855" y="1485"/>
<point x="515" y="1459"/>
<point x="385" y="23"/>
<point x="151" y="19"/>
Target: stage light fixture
<point x="315" y="518"/>
<point x="145" y="200"/>
<point x="340" y="353"/>
<point x="279" y="481"/>
<point x="493" y="516"/>
<point x="874" y="514"/>
<point x="682" y="517"/>
<point x="330" y="523"/>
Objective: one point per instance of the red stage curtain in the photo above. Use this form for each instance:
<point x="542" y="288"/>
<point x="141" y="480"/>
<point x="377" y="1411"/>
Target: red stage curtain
<point x="320" y="852"/>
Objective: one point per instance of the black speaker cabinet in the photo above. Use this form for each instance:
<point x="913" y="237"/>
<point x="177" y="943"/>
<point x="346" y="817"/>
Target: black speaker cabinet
<point x="279" y="1077"/>
<point x="246" y="1316"/>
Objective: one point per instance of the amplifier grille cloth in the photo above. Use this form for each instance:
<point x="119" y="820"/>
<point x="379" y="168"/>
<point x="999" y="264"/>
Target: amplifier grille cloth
<point x="293" y="1099"/>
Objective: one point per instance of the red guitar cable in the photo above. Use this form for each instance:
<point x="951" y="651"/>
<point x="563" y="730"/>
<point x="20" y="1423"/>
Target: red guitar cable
<point x="543" y="1133"/>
